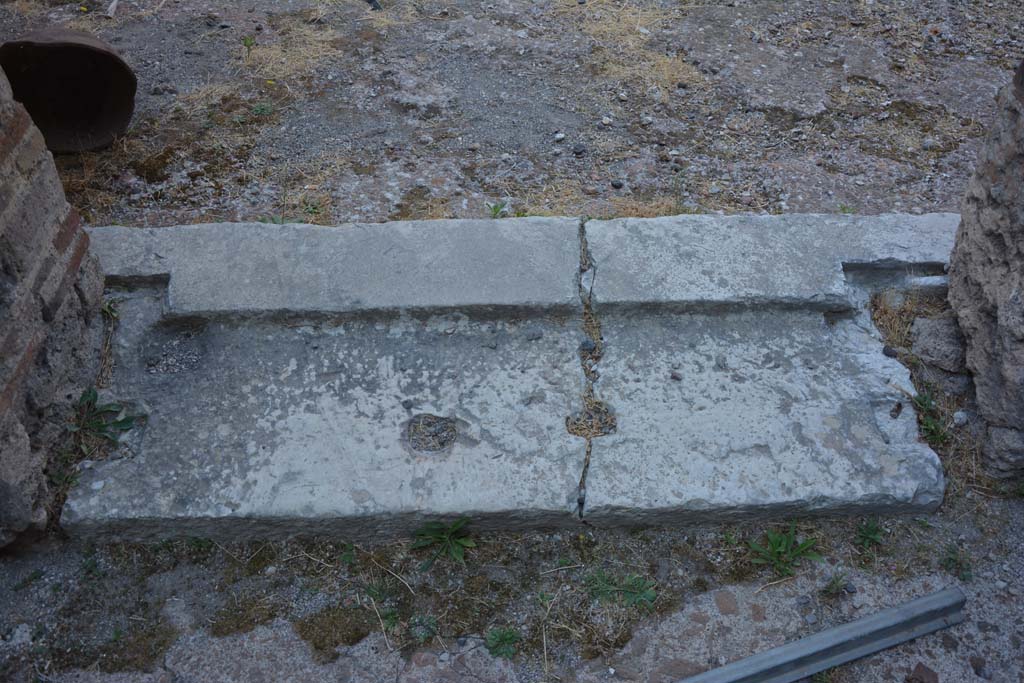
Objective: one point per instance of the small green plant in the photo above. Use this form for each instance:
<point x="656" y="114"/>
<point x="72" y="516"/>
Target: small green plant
<point x="631" y="590"/>
<point x="248" y="42"/>
<point x="422" y="628"/>
<point x="783" y="552"/>
<point x="933" y="428"/>
<point x="96" y="422"/>
<point x="497" y="209"/>
<point x="109" y="309"/>
<point x="846" y="209"/>
<point x="348" y="555"/>
<point x="835" y="585"/>
<point x="501" y="642"/>
<point x="379" y="591"/>
<point x="956" y="562"/>
<point x="869" y="533"/>
<point x="32" y="577"/>
<point x="447" y="540"/>
<point x="262" y="109"/>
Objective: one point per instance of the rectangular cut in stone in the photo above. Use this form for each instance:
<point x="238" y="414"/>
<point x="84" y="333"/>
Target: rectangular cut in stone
<point x="258" y="268"/>
<point x="705" y="262"/>
<point x="750" y="413"/>
<point x="258" y="429"/>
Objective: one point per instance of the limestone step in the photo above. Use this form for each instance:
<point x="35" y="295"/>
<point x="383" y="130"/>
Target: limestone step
<point x="354" y="381"/>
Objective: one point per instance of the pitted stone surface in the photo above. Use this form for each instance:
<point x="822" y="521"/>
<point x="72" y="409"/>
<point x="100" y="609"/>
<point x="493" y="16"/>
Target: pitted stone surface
<point x="280" y="429"/>
<point x="772" y="413"/>
<point x="257" y="268"/>
<point x="740" y="375"/>
<point x="703" y="262"/>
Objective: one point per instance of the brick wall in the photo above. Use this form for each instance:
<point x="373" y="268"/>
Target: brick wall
<point x="50" y="289"/>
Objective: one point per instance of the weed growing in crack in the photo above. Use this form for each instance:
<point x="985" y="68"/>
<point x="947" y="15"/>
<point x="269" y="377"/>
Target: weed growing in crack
<point x="448" y="540"/>
<point x="834" y="588"/>
<point x="932" y="426"/>
<point x="96" y="423"/>
<point x="869" y="533"/>
<point x="497" y="209"/>
<point x="783" y="552"/>
<point x="631" y="590"/>
<point x="502" y="642"/>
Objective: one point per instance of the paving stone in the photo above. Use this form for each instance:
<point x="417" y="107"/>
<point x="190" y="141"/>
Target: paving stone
<point x="777" y="412"/>
<point x="258" y="268"/>
<point x="257" y="429"/>
<point x="705" y="262"/>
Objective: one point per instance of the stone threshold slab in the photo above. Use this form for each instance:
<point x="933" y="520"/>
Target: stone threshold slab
<point x="263" y="430"/>
<point x="799" y="261"/>
<point x="754" y="413"/>
<point x="247" y="269"/>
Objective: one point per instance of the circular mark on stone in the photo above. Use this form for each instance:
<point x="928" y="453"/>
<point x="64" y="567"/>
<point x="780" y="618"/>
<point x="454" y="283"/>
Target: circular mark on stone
<point x="431" y="433"/>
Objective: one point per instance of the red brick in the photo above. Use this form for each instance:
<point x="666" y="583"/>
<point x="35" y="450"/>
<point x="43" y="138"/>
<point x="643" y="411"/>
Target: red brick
<point x="51" y="307"/>
<point x="20" y="370"/>
<point x="68" y="229"/>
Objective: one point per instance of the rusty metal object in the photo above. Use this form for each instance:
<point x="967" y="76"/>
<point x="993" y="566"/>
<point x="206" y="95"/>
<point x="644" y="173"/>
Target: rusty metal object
<point x="78" y="90"/>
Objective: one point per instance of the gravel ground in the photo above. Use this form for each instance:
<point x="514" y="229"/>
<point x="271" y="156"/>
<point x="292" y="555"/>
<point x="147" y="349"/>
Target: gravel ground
<point x="323" y="111"/>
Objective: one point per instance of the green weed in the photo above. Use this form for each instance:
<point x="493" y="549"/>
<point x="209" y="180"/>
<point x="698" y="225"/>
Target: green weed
<point x="631" y="590"/>
<point x="869" y="533"/>
<point x="501" y="642"/>
<point x="497" y="209"/>
<point x="447" y="540"/>
<point x="956" y="562"/>
<point x="783" y="552"/>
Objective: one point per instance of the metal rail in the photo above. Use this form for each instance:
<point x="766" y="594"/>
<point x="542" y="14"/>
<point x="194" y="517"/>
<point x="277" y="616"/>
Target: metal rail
<point x="841" y="644"/>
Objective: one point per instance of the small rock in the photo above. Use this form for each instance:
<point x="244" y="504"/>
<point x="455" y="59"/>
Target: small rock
<point x="473" y="146"/>
<point x="960" y="418"/>
<point x="646" y="121"/>
<point x="617" y="184"/>
<point x="922" y="674"/>
<point x="605" y="121"/>
<point x="804" y="600"/>
<point x="890" y="351"/>
<point x="811" y="618"/>
<point x="533" y="333"/>
<point x="979" y="666"/>
<point x="588" y="346"/>
<point x="675" y="376"/>
<point x="579" y="149"/>
<point x="1000" y="585"/>
<point x="623" y="97"/>
<point x="849" y="588"/>
<point x="559" y="137"/>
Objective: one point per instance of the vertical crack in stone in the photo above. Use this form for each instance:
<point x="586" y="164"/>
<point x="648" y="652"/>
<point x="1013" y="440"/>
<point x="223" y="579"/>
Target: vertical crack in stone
<point x="596" y="418"/>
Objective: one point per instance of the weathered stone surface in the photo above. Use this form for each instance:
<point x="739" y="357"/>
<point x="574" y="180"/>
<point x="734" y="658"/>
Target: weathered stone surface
<point x="257" y="268"/>
<point x="698" y="262"/>
<point x="987" y="281"/>
<point x="262" y="429"/>
<point x="776" y="412"/>
<point x="366" y="424"/>
<point x="938" y="342"/>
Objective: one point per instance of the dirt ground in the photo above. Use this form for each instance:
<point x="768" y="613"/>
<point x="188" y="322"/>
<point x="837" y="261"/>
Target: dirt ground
<point x="322" y="111"/>
<point x="327" y="112"/>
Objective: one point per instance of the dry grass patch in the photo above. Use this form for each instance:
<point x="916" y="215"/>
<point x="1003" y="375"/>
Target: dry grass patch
<point x="621" y="31"/>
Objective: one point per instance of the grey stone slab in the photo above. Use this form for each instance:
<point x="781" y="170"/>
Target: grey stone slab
<point x="258" y="429"/>
<point x="258" y="268"/>
<point x="754" y="413"/>
<point x="701" y="262"/>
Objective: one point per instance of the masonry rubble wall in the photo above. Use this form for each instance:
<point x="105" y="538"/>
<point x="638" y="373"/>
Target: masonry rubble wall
<point x="50" y="293"/>
<point x="986" y="284"/>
